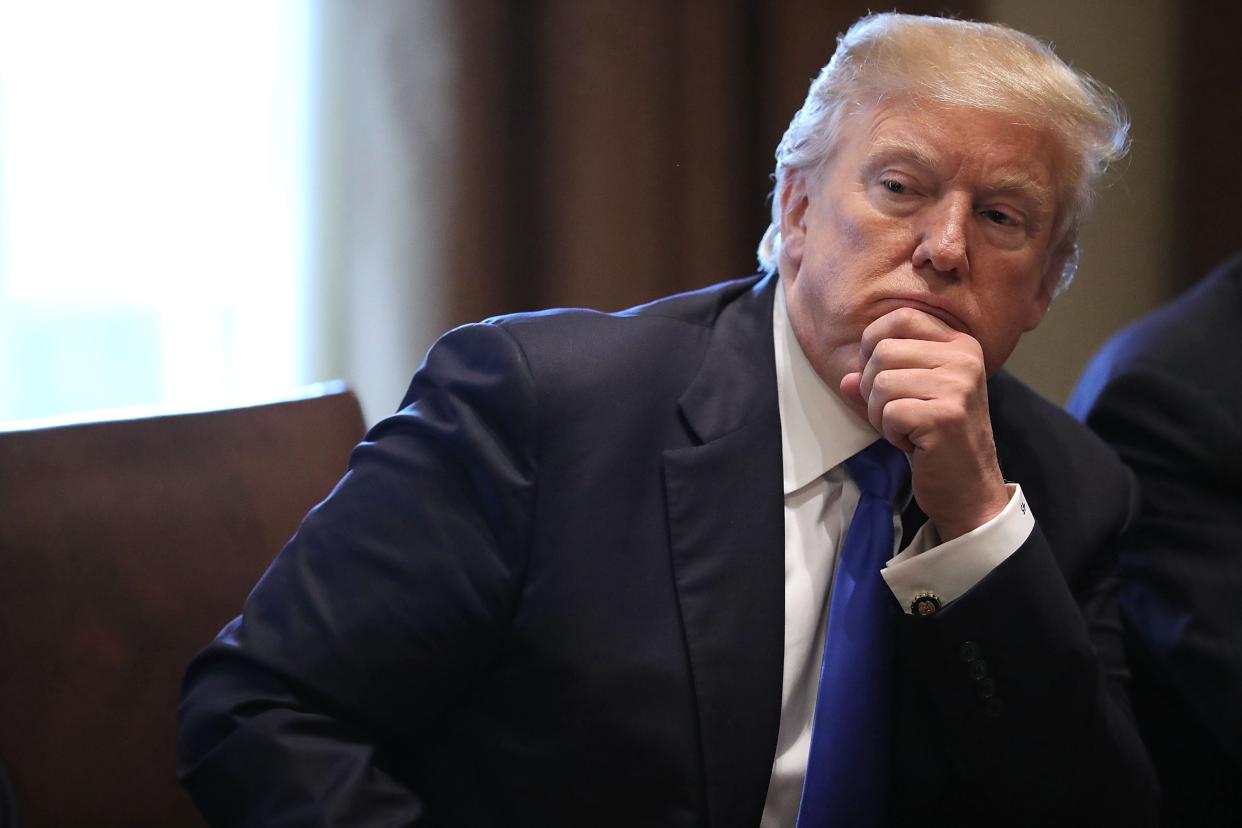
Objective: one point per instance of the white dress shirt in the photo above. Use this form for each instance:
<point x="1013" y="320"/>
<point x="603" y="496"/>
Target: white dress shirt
<point x="818" y="433"/>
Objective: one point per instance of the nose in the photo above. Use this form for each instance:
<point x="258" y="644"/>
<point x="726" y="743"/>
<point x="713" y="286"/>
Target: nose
<point x="942" y="229"/>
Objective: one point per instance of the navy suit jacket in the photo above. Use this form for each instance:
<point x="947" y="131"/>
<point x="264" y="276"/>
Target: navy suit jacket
<point x="1166" y="392"/>
<point x="549" y="592"/>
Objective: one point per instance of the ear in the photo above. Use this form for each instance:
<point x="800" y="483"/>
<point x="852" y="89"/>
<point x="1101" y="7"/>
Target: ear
<point x="794" y="204"/>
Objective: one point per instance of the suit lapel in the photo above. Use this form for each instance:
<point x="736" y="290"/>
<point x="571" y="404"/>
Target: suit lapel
<point x="727" y="535"/>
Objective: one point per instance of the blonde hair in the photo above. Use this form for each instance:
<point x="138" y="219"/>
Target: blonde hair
<point x="958" y="63"/>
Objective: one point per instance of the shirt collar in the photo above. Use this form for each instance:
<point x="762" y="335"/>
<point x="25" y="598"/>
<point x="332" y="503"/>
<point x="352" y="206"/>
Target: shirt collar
<point x="818" y="430"/>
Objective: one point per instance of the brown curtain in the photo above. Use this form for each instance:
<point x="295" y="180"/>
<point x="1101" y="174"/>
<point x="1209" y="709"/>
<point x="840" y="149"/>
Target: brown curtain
<point x="612" y="151"/>
<point x="1208" y="210"/>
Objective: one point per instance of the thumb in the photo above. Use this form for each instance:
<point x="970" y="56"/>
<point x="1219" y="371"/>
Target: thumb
<point x="851" y="391"/>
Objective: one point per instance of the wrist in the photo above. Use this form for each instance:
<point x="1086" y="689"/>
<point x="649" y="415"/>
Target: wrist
<point x="983" y="509"/>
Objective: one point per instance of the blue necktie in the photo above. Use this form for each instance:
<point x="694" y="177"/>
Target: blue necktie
<point x="848" y="766"/>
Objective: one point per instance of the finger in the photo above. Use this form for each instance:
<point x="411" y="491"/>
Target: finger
<point x="905" y="323"/>
<point x="959" y="365"/>
<point x="900" y="419"/>
<point x="960" y="379"/>
<point x="850" y="388"/>
<point x="901" y="383"/>
<point x="928" y="424"/>
<point x="890" y="354"/>
<point x="895" y="419"/>
<point x="849" y="392"/>
<point x="917" y="383"/>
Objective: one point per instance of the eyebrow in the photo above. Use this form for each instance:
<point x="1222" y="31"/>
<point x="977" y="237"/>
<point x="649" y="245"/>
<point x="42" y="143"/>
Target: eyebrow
<point x="886" y="150"/>
<point x="1023" y="185"/>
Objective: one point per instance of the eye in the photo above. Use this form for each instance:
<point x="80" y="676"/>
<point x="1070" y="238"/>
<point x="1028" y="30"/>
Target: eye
<point x="894" y="186"/>
<point x="998" y="217"/>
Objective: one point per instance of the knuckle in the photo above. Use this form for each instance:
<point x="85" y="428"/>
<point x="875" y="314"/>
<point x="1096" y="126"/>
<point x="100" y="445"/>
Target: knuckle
<point x="899" y="414"/>
<point x="953" y="415"/>
<point x="955" y="418"/>
<point x="963" y="386"/>
<point x="882" y="351"/>
<point x="907" y="314"/>
<point x="967" y="359"/>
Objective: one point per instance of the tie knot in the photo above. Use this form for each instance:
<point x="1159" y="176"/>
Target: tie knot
<point x="880" y="470"/>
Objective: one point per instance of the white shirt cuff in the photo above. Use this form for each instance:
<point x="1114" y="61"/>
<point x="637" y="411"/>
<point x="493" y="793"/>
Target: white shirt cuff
<point x="950" y="569"/>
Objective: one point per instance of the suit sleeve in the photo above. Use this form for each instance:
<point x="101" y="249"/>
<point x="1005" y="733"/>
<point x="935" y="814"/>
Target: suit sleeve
<point x="394" y="594"/>
<point x="1182" y="593"/>
<point x="1025" y="675"/>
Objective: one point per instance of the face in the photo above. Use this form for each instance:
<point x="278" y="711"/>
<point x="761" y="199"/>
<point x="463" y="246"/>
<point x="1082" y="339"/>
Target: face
<point x="949" y="211"/>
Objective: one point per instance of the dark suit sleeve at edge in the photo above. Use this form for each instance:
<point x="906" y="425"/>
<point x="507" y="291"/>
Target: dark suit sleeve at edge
<point x="1182" y="584"/>
<point x="1028" y="680"/>
<point x="393" y="594"/>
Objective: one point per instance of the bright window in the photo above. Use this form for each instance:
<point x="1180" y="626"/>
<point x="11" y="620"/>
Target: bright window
<point x="153" y="202"/>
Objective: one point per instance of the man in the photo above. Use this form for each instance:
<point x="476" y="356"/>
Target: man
<point x="1165" y="393"/>
<point x="586" y="575"/>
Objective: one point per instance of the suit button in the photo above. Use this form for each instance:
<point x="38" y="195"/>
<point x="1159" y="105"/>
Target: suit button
<point x="969" y="651"/>
<point x="977" y="669"/>
<point x="985" y="688"/>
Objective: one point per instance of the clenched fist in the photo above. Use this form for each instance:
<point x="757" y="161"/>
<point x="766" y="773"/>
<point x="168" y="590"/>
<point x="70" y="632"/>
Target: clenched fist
<point x="922" y="384"/>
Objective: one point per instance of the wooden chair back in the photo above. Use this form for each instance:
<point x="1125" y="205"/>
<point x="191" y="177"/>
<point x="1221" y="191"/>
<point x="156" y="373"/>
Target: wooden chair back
<point x="124" y="546"/>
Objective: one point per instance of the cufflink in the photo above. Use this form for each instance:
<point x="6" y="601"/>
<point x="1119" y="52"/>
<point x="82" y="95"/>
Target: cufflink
<point x="925" y="603"/>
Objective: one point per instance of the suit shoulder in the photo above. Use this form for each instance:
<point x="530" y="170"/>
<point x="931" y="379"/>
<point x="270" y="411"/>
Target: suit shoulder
<point x="1203" y="324"/>
<point x="701" y="307"/>
<point x="658" y="330"/>
<point x="1192" y="341"/>
<point x="650" y="349"/>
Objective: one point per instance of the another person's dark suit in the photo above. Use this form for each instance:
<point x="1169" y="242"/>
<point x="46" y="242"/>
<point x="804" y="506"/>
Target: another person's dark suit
<point x="550" y="592"/>
<point x="1166" y="392"/>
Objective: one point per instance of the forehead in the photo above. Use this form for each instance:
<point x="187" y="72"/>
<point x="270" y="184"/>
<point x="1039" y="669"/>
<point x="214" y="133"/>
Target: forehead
<point x="989" y="150"/>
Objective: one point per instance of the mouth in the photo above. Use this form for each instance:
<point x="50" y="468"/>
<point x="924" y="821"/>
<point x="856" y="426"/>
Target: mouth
<point x="931" y="308"/>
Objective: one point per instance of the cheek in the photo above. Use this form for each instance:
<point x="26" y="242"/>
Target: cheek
<point x="1005" y="323"/>
<point x="855" y="231"/>
<point x="807" y="297"/>
<point x="875" y="244"/>
<point x="1024" y="299"/>
<point x="814" y="302"/>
